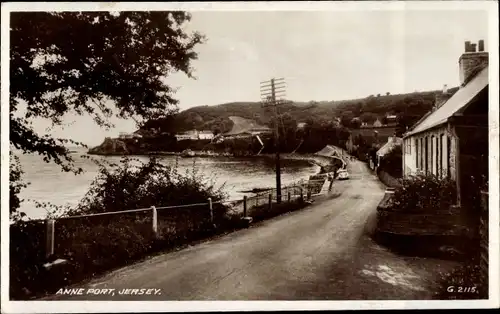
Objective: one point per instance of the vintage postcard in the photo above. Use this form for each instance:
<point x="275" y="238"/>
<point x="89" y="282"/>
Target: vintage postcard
<point x="249" y="156"/>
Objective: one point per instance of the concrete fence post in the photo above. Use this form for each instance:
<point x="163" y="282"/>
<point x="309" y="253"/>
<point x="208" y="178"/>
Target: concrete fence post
<point x="244" y="206"/>
<point x="210" y="207"/>
<point x="270" y="201"/>
<point x="154" y="225"/>
<point x="50" y="237"/>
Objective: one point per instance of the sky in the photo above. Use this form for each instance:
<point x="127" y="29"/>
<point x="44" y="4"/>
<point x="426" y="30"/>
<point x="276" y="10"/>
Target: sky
<point x="323" y="55"/>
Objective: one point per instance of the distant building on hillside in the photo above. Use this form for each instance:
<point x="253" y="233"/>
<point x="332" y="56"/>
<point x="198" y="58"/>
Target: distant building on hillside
<point x="377" y="123"/>
<point x="125" y="135"/>
<point x="188" y="135"/>
<point x="391" y="119"/>
<point x="205" y="135"/>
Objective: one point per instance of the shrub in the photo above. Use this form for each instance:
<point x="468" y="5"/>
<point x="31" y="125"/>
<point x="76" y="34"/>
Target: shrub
<point x="133" y="184"/>
<point x="424" y="193"/>
<point x="392" y="163"/>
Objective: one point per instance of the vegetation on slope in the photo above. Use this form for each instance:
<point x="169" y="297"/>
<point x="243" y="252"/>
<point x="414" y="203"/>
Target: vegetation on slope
<point x="408" y="107"/>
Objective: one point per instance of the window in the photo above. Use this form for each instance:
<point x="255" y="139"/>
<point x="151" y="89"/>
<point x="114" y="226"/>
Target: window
<point x="421" y="153"/>
<point x="416" y="153"/>
<point x="448" y="153"/>
<point x="431" y="168"/>
<point x="426" y="160"/>
<point x="441" y="143"/>
<point x="437" y="156"/>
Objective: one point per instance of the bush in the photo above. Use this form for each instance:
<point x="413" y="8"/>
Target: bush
<point x="134" y="184"/>
<point x="424" y="193"/>
<point x="392" y="163"/>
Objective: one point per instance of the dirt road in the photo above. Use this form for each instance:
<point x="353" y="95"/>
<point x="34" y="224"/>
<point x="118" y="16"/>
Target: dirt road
<point x="319" y="253"/>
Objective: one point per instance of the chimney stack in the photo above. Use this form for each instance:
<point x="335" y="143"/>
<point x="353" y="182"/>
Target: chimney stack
<point x="467" y="46"/>
<point x="472" y="61"/>
<point x="445" y="89"/>
<point x="481" y="45"/>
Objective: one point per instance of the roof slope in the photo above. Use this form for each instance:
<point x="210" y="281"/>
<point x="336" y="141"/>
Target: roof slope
<point x="389" y="146"/>
<point x="459" y="100"/>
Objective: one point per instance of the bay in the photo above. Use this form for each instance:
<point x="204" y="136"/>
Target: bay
<point x="49" y="184"/>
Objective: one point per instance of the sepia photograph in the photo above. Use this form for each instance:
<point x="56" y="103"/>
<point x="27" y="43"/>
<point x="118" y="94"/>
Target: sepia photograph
<point x="249" y="151"/>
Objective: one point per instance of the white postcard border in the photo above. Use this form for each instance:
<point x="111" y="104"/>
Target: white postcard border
<point x="181" y="306"/>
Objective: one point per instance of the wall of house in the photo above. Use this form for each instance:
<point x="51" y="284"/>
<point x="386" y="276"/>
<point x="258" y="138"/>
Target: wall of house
<point x="206" y="136"/>
<point x="409" y="158"/>
<point x="432" y="152"/>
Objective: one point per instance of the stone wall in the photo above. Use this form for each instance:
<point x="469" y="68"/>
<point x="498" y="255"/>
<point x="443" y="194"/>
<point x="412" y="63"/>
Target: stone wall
<point x="439" y="223"/>
<point x="387" y="179"/>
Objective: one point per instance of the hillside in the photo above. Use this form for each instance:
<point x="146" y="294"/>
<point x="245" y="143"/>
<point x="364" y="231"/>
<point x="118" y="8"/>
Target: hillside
<point x="408" y="107"/>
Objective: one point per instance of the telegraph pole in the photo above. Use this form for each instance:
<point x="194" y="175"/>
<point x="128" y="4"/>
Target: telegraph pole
<point x="271" y="92"/>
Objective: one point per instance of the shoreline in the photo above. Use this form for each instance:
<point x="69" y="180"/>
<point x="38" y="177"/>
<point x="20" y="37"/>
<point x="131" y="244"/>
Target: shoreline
<point x="325" y="163"/>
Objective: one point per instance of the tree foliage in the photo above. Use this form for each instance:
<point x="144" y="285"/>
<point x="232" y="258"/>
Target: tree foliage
<point x="392" y="163"/>
<point x="98" y="64"/>
<point x="368" y="117"/>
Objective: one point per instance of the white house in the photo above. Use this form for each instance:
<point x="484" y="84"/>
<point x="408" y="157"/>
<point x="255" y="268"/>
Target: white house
<point x="391" y="119"/>
<point x="124" y="135"/>
<point x="377" y="123"/>
<point x="392" y="142"/>
<point x="452" y="139"/>
<point x="205" y="135"/>
<point x="188" y="135"/>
